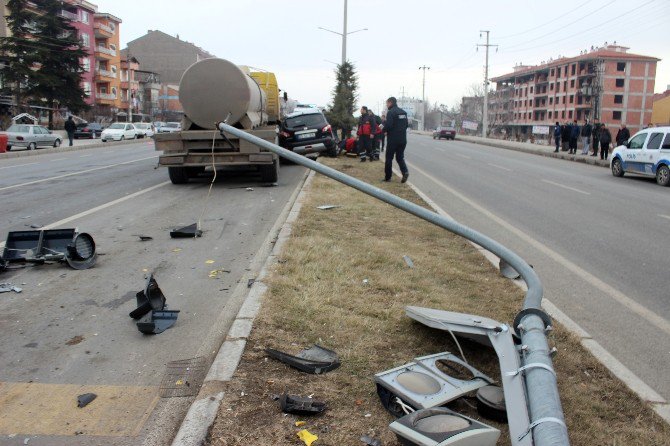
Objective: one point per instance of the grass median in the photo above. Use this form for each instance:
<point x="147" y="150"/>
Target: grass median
<point x="341" y="282"/>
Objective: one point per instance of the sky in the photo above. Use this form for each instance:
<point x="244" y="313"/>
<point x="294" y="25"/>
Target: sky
<point x="401" y="36"/>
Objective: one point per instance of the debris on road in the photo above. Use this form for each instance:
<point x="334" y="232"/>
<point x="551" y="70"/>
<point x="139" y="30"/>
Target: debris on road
<point x="300" y="423"/>
<point x="145" y="238"/>
<point x="85" y="399"/>
<point x="7" y="287"/>
<point x="307" y="437"/>
<point x="250" y="283"/>
<point x="299" y="405"/>
<point x="326" y="207"/>
<point x="214" y="274"/>
<point x="371" y="441"/>
<point x="190" y="231"/>
<point x="250" y="189"/>
<point x="77" y="249"/>
<point x="155" y="322"/>
<point x="75" y="340"/>
<point x="209" y="262"/>
<point x="151" y="314"/>
<point x="408" y="261"/>
<point x="314" y="360"/>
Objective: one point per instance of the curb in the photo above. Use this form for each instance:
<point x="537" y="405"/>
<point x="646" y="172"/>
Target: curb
<point x="202" y="413"/>
<point x="62" y="149"/>
<point x="659" y="404"/>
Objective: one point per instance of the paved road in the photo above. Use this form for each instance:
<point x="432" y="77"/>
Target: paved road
<point x="69" y="332"/>
<point x="599" y="243"/>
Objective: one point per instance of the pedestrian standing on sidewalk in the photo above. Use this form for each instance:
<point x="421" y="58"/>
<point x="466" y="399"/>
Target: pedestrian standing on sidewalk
<point x="378" y="135"/>
<point x="366" y="135"/>
<point x="557" y="136"/>
<point x="605" y="140"/>
<point x="70" y="128"/>
<point x="574" y="136"/>
<point x="586" y="136"/>
<point x="383" y="138"/>
<point x="396" y="133"/>
<point x="622" y="135"/>
<point x="565" y="137"/>
<point x="596" y="137"/>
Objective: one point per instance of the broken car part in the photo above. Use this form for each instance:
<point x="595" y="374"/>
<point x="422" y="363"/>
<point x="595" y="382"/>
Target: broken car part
<point x="531" y="323"/>
<point x="491" y="403"/>
<point x="440" y="426"/>
<point x="51" y="245"/>
<point x="155" y="322"/>
<point x="307" y="437"/>
<point x="7" y="287"/>
<point x="422" y="384"/>
<point x="299" y="405"/>
<point x="314" y="360"/>
<point x="371" y="441"/>
<point x="85" y="399"/>
<point x="190" y="231"/>
<point x="151" y="313"/>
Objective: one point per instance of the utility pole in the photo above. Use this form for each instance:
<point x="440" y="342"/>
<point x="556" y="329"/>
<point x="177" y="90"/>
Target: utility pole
<point x="485" y="117"/>
<point x="423" y="97"/>
<point x="344" y="33"/>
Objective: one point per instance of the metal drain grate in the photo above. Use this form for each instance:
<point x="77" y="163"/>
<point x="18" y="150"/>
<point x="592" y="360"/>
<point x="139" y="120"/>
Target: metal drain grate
<point x="183" y="377"/>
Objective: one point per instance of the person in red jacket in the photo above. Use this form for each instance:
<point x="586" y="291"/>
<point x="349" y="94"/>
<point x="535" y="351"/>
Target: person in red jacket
<point x="366" y="135"/>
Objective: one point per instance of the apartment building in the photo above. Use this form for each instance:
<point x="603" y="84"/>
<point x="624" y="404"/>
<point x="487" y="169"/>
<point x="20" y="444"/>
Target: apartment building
<point x="107" y="65"/>
<point x="130" y="87"/>
<point x="81" y="14"/>
<point x="606" y="83"/>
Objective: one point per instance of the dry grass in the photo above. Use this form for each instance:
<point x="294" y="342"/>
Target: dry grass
<point x="317" y="295"/>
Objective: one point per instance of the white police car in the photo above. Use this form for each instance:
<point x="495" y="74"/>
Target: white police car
<point x="647" y="153"/>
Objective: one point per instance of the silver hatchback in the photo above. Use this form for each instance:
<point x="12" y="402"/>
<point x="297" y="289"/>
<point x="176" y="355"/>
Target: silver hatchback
<point x="31" y="137"/>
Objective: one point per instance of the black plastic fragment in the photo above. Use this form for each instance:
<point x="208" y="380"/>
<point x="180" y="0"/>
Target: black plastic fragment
<point x="491" y="403"/>
<point x="390" y="403"/>
<point x="155" y="322"/>
<point x="85" y="399"/>
<point x="151" y="298"/>
<point x="50" y="245"/>
<point x="315" y="360"/>
<point x="371" y="441"/>
<point x="190" y="231"/>
<point x="299" y="405"/>
<point x="145" y="238"/>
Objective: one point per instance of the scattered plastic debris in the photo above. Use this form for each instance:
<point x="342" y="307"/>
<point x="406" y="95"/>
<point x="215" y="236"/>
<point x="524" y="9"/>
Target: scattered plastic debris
<point x="365" y="281"/>
<point x="408" y="261"/>
<point x="176" y="250"/>
<point x="7" y="287"/>
<point x="300" y="423"/>
<point x="214" y="274"/>
<point x="300" y="405"/>
<point x="250" y="283"/>
<point x="145" y="238"/>
<point x="85" y="399"/>
<point x="190" y="231"/>
<point x="371" y="441"/>
<point x="151" y="313"/>
<point x="326" y="207"/>
<point x="307" y="437"/>
<point x="250" y="189"/>
<point x="52" y="245"/>
<point x="209" y="262"/>
<point x="314" y="360"/>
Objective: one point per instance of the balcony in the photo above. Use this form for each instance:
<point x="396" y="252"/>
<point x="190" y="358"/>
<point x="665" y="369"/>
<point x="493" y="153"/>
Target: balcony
<point x="102" y="73"/>
<point x="106" y="96"/>
<point x="132" y="85"/>
<point x="105" y="50"/>
<point x="69" y="15"/>
<point x="103" y="31"/>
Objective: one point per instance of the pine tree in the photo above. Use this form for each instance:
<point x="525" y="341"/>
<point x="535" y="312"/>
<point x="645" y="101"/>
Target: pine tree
<point x="60" y="53"/>
<point x="20" y="52"/>
<point x="341" y="113"/>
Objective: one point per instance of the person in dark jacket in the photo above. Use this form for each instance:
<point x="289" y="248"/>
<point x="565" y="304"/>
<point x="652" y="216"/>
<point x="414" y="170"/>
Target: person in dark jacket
<point x="557" y="136"/>
<point x="622" y="135"/>
<point x="366" y="135"/>
<point x="605" y="140"/>
<point x="574" y="136"/>
<point x="565" y="137"/>
<point x="596" y="137"/>
<point x="378" y="135"/>
<point x="70" y="128"/>
<point x="396" y="134"/>
<point x="587" y="129"/>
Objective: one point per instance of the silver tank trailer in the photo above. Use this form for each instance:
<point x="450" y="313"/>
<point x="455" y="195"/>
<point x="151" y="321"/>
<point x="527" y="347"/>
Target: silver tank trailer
<point x="212" y="90"/>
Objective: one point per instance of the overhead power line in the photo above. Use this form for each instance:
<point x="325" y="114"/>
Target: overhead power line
<point x="552" y="21"/>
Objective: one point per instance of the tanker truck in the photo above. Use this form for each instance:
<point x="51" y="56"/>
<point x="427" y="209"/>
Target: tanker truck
<point x="212" y="91"/>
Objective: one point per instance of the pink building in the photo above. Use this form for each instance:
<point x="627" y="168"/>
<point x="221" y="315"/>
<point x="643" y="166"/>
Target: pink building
<point x="81" y="12"/>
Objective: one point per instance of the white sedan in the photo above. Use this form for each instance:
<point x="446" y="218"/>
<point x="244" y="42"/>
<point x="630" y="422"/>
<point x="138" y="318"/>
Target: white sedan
<point x="144" y="129"/>
<point x="118" y="132"/>
<point x="647" y="153"/>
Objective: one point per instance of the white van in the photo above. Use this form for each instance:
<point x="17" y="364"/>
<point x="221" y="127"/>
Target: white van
<point x="646" y="153"/>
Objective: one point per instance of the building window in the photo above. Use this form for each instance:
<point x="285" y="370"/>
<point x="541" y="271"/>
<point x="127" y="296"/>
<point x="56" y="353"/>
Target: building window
<point x="564" y="99"/>
<point x="621" y="66"/>
<point x="570" y="114"/>
<point x="558" y="72"/>
<point x="619" y="83"/>
<point x="572" y="83"/>
<point x="565" y="85"/>
<point x="558" y="87"/>
<point x="618" y="99"/>
<point x="531" y="89"/>
<point x="563" y="114"/>
<point x="572" y="98"/>
<point x="574" y="69"/>
<point x="551" y="86"/>
<point x="551" y="101"/>
<point x="551" y="73"/>
<point x="84" y="17"/>
<point x="549" y="115"/>
<point x="86" y="64"/>
<point x="85" y="40"/>
<point x="87" y="88"/>
<point x="616" y="115"/>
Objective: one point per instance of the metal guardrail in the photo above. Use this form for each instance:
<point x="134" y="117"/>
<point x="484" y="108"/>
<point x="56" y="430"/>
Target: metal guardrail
<point x="532" y="323"/>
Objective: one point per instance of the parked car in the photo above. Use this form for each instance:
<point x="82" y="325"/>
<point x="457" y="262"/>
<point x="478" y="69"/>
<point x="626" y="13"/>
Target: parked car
<point x="30" y="137"/>
<point x="170" y="127"/>
<point x="144" y="129"/>
<point x="444" y="132"/>
<point x="118" y="132"/>
<point x="307" y="131"/>
<point x="158" y="125"/>
<point x="90" y="130"/>
<point x="646" y="153"/>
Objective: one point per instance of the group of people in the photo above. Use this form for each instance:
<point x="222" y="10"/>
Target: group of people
<point x="567" y="136"/>
<point x="374" y="132"/>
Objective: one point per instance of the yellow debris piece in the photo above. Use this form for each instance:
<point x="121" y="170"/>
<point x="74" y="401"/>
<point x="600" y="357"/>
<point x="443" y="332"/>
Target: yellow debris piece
<point x="209" y="262"/>
<point x="300" y="423"/>
<point x="176" y="250"/>
<point x="307" y="437"/>
<point x="179" y="382"/>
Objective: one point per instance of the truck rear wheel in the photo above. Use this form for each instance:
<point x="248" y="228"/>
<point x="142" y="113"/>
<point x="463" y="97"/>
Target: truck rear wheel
<point x="178" y="175"/>
<point x="269" y="172"/>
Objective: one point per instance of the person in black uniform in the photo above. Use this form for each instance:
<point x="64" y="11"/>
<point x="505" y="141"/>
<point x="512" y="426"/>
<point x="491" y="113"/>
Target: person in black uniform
<point x="366" y="135"/>
<point x="396" y="134"/>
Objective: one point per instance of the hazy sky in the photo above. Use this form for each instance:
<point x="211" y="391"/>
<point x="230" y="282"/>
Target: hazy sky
<point x="282" y="36"/>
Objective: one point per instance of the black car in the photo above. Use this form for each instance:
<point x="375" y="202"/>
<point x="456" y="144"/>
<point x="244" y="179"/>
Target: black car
<point x="90" y="130"/>
<point x="307" y="131"/>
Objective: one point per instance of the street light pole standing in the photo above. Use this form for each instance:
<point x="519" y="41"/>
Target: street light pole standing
<point x="485" y="117"/>
<point x="423" y="97"/>
<point x="344" y="33"/>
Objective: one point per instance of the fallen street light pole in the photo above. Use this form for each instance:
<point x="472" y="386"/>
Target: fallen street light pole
<point x="547" y="423"/>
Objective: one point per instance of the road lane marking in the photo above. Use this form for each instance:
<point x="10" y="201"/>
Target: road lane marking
<point x="610" y="291"/>
<point x="99" y="208"/>
<point x="16" y="165"/>
<point x="500" y="167"/>
<point x="664" y="216"/>
<point x="463" y="156"/>
<point x="566" y="187"/>
<point x="75" y="173"/>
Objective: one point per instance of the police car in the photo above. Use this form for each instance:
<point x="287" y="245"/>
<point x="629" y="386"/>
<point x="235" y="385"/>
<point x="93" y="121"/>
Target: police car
<point x="647" y="153"/>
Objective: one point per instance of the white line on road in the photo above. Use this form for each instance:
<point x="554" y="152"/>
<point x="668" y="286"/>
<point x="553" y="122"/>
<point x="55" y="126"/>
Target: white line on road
<point x="75" y="173"/>
<point x="610" y="291"/>
<point x="500" y="167"/>
<point x="566" y="187"/>
<point x="16" y="165"/>
<point x="664" y="216"/>
<point x="99" y="208"/>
